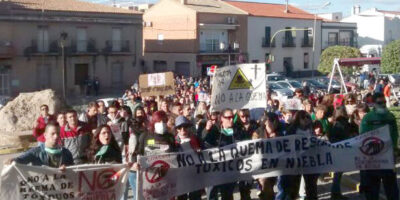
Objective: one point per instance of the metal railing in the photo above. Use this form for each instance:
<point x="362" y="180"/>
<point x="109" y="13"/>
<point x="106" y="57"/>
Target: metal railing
<point x="266" y="42"/>
<point x="307" y="42"/>
<point x="289" y="42"/>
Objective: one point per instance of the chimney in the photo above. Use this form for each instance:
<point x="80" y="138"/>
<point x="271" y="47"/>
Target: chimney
<point x="356" y="10"/>
<point x="183" y="2"/>
<point x="287" y="6"/>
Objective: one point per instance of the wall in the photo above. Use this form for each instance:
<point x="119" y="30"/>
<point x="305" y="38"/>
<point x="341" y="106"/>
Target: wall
<point x="335" y="27"/>
<point x="370" y="29"/>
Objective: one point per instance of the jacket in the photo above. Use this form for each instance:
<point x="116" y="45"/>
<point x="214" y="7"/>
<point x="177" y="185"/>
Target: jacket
<point x="41" y="126"/>
<point x="154" y="144"/>
<point x="374" y="120"/>
<point x="76" y="141"/>
<point x="100" y="119"/>
<point x="214" y="138"/>
<point x="340" y="131"/>
<point x="386" y="91"/>
<point x="37" y="156"/>
<point x="111" y="156"/>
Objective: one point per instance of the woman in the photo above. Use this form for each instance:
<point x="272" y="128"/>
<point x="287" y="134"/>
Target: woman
<point x="269" y="128"/>
<point x="104" y="148"/>
<point x="61" y="121"/>
<point x="340" y="131"/>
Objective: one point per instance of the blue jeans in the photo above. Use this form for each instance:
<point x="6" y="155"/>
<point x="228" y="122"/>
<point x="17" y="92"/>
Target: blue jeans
<point x="132" y="183"/>
<point x="285" y="186"/>
<point x="371" y="181"/>
<point x="337" y="177"/>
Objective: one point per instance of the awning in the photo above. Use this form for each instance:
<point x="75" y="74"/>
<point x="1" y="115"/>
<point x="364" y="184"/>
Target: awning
<point x="360" y="61"/>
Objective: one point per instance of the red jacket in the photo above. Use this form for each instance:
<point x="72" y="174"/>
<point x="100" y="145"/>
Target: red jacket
<point x="41" y="126"/>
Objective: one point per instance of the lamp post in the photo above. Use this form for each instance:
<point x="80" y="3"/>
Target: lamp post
<point x="63" y="38"/>
<point x="314" y="35"/>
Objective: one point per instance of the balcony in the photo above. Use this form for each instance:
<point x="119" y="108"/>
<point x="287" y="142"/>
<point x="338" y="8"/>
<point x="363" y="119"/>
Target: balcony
<point x="288" y="42"/>
<point x="44" y="48"/>
<point x="267" y="43"/>
<point x="307" y="42"/>
<point x="117" y="47"/>
<point x="6" y="50"/>
<point x="84" y="47"/>
<point x="341" y="43"/>
<point x="215" y="48"/>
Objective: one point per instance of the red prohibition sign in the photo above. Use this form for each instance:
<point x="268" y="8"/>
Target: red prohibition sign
<point x="107" y="179"/>
<point x="157" y="171"/>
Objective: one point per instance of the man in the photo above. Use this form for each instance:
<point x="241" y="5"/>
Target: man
<point x="50" y="154"/>
<point x="371" y="179"/>
<point x="92" y="118"/>
<point x="41" y="123"/>
<point x="379" y="86"/>
<point x="165" y="107"/>
<point x="75" y="137"/>
<point x="226" y="136"/>
<point x="298" y="93"/>
<point x="387" y="91"/>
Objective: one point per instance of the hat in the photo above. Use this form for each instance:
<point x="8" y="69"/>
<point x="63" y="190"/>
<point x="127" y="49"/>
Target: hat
<point x="181" y="120"/>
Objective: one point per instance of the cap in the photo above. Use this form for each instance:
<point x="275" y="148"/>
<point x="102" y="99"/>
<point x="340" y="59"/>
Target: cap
<point x="181" y="120"/>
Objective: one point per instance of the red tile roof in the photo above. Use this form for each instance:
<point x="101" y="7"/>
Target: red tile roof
<point x="271" y="10"/>
<point x="62" y="6"/>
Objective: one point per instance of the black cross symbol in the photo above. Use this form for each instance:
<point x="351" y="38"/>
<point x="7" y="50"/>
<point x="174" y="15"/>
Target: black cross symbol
<point x="255" y="71"/>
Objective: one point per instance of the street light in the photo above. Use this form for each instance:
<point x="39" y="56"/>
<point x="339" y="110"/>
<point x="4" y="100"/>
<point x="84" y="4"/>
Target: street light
<point x="314" y="35"/>
<point x="63" y="38"/>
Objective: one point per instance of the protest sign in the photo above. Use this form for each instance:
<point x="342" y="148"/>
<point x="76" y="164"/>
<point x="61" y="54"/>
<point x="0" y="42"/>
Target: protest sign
<point x="77" y="182"/>
<point x="157" y="84"/>
<point x="293" y="104"/>
<point x="211" y="70"/>
<point x="239" y="86"/>
<point x="168" y="175"/>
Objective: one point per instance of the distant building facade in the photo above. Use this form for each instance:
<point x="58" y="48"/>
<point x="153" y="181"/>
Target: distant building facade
<point x="99" y="42"/>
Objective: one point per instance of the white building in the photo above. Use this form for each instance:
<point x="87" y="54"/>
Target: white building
<point x="292" y="50"/>
<point x="375" y="27"/>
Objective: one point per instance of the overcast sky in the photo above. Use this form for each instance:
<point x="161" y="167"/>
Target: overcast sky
<point x="309" y="5"/>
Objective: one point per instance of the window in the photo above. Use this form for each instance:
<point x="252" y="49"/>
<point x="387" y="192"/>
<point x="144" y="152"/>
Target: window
<point x="81" y="41"/>
<point x="267" y="36"/>
<point x="5" y="72"/>
<point x="43" y="75"/>
<point x="160" y="66"/>
<point x="116" y="39"/>
<point x="345" y="38"/>
<point x="306" y="60"/>
<point x="117" y="74"/>
<point x="332" y="39"/>
<point x="213" y="40"/>
<point x="43" y="39"/>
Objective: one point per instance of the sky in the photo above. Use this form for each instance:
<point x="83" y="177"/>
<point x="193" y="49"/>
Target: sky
<point x="343" y="6"/>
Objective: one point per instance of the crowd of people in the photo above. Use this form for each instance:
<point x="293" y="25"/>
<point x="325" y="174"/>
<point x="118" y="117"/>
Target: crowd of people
<point x="184" y="121"/>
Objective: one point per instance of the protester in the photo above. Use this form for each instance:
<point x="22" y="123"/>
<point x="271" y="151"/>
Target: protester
<point x="50" y="154"/>
<point x="61" y="121"/>
<point x="370" y="179"/>
<point x="387" y="91"/>
<point x="75" y="137"/>
<point x="92" y="118"/>
<point x="102" y="109"/>
<point x="104" y="148"/>
<point x="41" y="123"/>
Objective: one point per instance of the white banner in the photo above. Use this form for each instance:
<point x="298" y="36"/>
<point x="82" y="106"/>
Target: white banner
<point x="77" y="182"/>
<point x="168" y="175"/>
<point x="239" y="86"/>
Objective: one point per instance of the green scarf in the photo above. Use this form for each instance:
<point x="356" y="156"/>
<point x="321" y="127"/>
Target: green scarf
<point x="53" y="150"/>
<point x="103" y="150"/>
<point x="227" y="131"/>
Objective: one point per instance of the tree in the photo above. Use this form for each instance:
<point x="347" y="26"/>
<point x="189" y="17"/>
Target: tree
<point x="390" y="62"/>
<point x="330" y="53"/>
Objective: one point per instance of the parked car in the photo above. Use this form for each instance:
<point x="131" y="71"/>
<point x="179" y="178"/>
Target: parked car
<point x="393" y="78"/>
<point x="280" y="91"/>
<point x="325" y="80"/>
<point x="274" y="77"/>
<point x="290" y="84"/>
<point x="314" y="84"/>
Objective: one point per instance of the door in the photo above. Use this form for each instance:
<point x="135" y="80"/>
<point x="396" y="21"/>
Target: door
<point x="43" y="39"/>
<point x="160" y="66"/>
<point x="182" y="68"/>
<point x="5" y="72"/>
<point x="81" y="73"/>
<point x="288" y="66"/>
<point x="117" y="74"/>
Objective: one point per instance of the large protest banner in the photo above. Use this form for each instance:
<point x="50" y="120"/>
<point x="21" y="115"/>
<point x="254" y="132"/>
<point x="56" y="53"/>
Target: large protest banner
<point x="77" y="182"/>
<point x="157" y="84"/>
<point x="239" y="86"/>
<point x="168" y="175"/>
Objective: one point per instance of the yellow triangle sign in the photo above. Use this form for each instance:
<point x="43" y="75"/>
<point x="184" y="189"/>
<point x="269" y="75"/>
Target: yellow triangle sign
<point x="240" y="81"/>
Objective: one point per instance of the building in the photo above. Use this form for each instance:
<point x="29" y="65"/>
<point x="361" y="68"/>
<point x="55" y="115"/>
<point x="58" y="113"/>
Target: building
<point x="292" y="50"/>
<point x="335" y="16"/>
<point x="338" y="33"/>
<point x="187" y="36"/>
<point x="38" y="37"/>
<point x="375" y="27"/>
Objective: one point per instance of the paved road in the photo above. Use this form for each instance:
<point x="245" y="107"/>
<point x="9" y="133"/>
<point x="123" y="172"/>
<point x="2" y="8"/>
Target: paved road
<point x="323" y="187"/>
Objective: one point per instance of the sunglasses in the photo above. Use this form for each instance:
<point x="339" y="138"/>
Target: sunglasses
<point x="228" y="117"/>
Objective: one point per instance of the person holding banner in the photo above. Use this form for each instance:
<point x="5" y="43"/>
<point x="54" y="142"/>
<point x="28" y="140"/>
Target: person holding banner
<point x="227" y="135"/>
<point x="50" y="154"/>
<point x="104" y="148"/>
<point x="270" y="128"/>
<point x="378" y="117"/>
<point x="186" y="140"/>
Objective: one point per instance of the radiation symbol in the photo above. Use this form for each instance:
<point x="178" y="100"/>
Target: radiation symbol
<point x="240" y="81"/>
